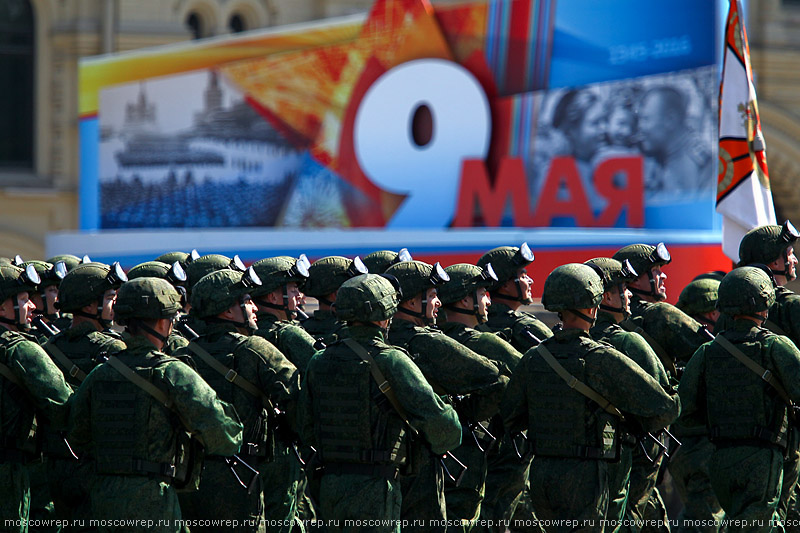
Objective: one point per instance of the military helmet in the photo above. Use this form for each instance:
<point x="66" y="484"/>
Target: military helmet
<point x="219" y="290"/>
<point x="415" y="277"/>
<point x="156" y="269"/>
<point x="209" y="263"/>
<point x="366" y="298"/>
<point x="765" y="244"/>
<point x="49" y="273"/>
<point x="506" y="261"/>
<point x="714" y="274"/>
<point x="146" y="298"/>
<point x="465" y="279"/>
<point x="377" y="262"/>
<point x="745" y="290"/>
<point x="71" y="261"/>
<point x="14" y="280"/>
<point x="644" y="257"/>
<point x="87" y="283"/>
<point x="572" y="286"/>
<point x="326" y="275"/>
<point x="699" y="296"/>
<point x="612" y="272"/>
<point x="276" y="272"/>
<point x="181" y="257"/>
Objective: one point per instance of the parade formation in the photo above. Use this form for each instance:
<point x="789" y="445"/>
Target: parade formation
<point x="194" y="393"/>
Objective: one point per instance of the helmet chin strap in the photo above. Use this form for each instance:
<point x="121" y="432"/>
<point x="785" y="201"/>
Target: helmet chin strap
<point x="153" y="332"/>
<point x="17" y="322"/>
<point x="653" y="293"/>
<point x="474" y="312"/>
<point x="620" y="309"/>
<point x="520" y="297"/>
<point x="787" y="268"/>
<point x="587" y="318"/>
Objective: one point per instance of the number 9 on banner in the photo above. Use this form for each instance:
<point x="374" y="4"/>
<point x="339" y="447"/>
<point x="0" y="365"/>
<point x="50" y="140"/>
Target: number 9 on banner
<point x="427" y="170"/>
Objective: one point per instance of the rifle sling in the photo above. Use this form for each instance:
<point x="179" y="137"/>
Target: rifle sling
<point x="666" y="360"/>
<point x="229" y="374"/>
<point x="576" y="384"/>
<point x="9" y="374"/>
<point x="765" y="374"/>
<point x="65" y="362"/>
<point x="773" y="327"/>
<point x="377" y="375"/>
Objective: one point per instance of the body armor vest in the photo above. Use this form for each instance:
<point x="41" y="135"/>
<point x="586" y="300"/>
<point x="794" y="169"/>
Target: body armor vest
<point x="563" y="422"/>
<point x="741" y="407"/>
<point x="259" y="440"/>
<point x="127" y="422"/>
<point x="355" y="422"/>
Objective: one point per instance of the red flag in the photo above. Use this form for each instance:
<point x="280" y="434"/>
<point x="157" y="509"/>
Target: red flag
<point x="744" y="198"/>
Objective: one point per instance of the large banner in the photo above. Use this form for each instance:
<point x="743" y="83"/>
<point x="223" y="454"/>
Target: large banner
<point x="524" y="113"/>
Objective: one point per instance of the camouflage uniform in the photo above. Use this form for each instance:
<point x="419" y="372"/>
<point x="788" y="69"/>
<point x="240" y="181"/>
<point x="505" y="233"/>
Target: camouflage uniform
<point x="34" y="390"/>
<point x="572" y="436"/>
<point x="360" y="435"/>
<point x="451" y="369"/>
<point x="324" y="326"/>
<point x="132" y="437"/>
<point x="749" y="428"/>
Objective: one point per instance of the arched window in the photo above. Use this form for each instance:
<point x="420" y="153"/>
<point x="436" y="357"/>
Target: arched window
<point x="237" y="23"/>
<point x="16" y="85"/>
<point x="195" y="24"/>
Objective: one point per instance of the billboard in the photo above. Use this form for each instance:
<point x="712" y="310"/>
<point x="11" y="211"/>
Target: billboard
<point x="466" y="119"/>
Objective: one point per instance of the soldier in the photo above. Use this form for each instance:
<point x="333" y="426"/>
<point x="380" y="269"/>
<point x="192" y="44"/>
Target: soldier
<point x="277" y="301"/>
<point x="325" y="276"/>
<point x="449" y="367"/>
<point x="699" y="300"/>
<point x="506" y="482"/>
<point x="87" y="292"/>
<point x="466" y="302"/>
<point x="773" y="246"/>
<point x="360" y="400"/>
<point x="570" y="393"/>
<point x="377" y="262"/>
<point x="264" y="378"/>
<point x="674" y="336"/>
<point x="31" y="390"/>
<point x="176" y="275"/>
<point x="749" y="428"/>
<point x="509" y="293"/>
<point x="46" y="293"/>
<point x="132" y="411"/>
<point x="637" y="472"/>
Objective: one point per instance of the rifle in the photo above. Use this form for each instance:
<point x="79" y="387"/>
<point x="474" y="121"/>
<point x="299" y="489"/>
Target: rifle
<point x="522" y="446"/>
<point x="536" y="340"/>
<point x="43" y="327"/>
<point x="483" y="438"/>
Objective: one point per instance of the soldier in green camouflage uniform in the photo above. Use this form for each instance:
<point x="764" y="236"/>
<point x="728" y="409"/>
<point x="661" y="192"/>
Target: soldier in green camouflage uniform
<point x="508" y="473"/>
<point x="176" y="275"/>
<point x="699" y="300"/>
<point x="76" y="351"/>
<point x="747" y="418"/>
<point x="377" y="262"/>
<point x="360" y="429"/>
<point x="465" y="303"/>
<point x="277" y="300"/>
<point x="451" y="368"/>
<point x="70" y="261"/>
<point x="32" y="391"/>
<point x="131" y="412"/>
<point x="674" y="336"/>
<point x="325" y="276"/>
<point x="773" y="247"/>
<point x="636" y="474"/>
<point x="569" y="393"/>
<point x="46" y="293"/>
<point x="265" y="378"/>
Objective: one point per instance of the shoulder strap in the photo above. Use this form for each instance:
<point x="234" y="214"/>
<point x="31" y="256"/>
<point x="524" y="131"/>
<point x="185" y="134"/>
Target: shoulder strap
<point x="377" y="375"/>
<point x="139" y="381"/>
<point x="666" y="360"/>
<point x="576" y="384"/>
<point x="765" y="374"/>
<point x="64" y="361"/>
<point x="9" y="374"/>
<point x="229" y="374"/>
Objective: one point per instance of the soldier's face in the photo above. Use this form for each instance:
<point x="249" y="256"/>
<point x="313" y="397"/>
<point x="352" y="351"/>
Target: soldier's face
<point x="434" y="303"/>
<point x="659" y="278"/>
<point x="109" y="298"/>
<point x="51" y="294"/>
<point x="792" y="260"/>
<point x="294" y="295"/>
<point x="26" y="308"/>
<point x="525" y="284"/>
<point x="246" y="312"/>
<point x="621" y="298"/>
<point x="484" y="301"/>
